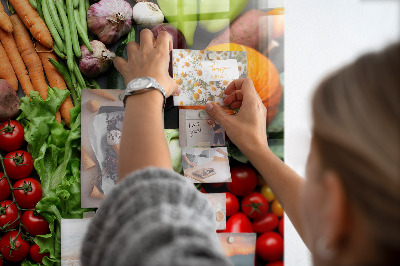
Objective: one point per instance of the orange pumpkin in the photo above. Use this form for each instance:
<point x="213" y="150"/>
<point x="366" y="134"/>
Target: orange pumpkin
<point x="262" y="72"/>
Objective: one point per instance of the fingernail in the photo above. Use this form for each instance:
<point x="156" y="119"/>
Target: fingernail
<point x="179" y="90"/>
<point x="209" y="106"/>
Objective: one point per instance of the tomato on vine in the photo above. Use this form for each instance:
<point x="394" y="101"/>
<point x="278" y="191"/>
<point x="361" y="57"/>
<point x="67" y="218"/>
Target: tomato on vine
<point x="254" y="205"/>
<point x="27" y="192"/>
<point x="13" y="247"/>
<point x="244" y="180"/>
<point x="18" y="164"/>
<point x="8" y="215"/>
<point x="11" y="135"/>
<point x="5" y="189"/>
<point x="266" y="223"/>
<point x="269" y="246"/>
<point x="238" y="223"/>
<point x="34" y="223"/>
<point x="232" y="204"/>
<point x="36" y="256"/>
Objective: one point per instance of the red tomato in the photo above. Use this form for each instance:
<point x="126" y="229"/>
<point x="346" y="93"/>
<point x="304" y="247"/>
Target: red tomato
<point x="281" y="226"/>
<point x="200" y="188"/>
<point x="18" y="164"/>
<point x="267" y="193"/>
<point x="34" y="223"/>
<point x="276" y="208"/>
<point x="269" y="246"/>
<point x="266" y="223"/>
<point x="254" y="205"/>
<point x="35" y="255"/>
<point x="29" y="194"/>
<point x="5" y="189"/>
<point x="13" y="247"/>
<point x="275" y="263"/>
<point x="8" y="214"/>
<point x="244" y="180"/>
<point x="232" y="204"/>
<point x="238" y="223"/>
<point x="11" y="135"/>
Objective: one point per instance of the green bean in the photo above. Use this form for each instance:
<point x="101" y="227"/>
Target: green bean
<point x="94" y="84"/>
<point x="76" y="4"/>
<point x="67" y="77"/>
<point x="82" y="32"/>
<point x="33" y="3"/>
<point x="87" y="4"/>
<point x="68" y="40"/>
<point x="50" y="26"/>
<point x="56" y="19"/>
<point x="78" y="75"/>
<point x="82" y="14"/>
<point x="39" y="8"/>
<point x="58" y="52"/>
<point x="72" y="27"/>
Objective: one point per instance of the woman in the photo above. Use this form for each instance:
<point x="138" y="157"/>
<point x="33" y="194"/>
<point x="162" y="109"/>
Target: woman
<point x="347" y="210"/>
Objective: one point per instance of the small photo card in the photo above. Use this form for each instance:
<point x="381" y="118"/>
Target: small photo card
<point x="218" y="201"/>
<point x="203" y="75"/>
<point x="240" y="248"/>
<point x="206" y="165"/>
<point x="72" y="234"/>
<point x="198" y="129"/>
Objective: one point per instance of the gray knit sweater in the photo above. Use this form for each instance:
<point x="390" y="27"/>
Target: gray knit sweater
<point x="154" y="217"/>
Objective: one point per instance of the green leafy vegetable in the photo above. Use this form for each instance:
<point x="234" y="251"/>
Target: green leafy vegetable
<point x="56" y="153"/>
<point x="172" y="136"/>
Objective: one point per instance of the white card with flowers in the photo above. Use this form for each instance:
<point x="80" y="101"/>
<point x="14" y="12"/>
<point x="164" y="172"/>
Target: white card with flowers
<point x="203" y="75"/>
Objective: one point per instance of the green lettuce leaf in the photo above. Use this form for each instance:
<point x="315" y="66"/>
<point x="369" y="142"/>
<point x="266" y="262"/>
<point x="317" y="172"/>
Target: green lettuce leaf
<point x="56" y="153"/>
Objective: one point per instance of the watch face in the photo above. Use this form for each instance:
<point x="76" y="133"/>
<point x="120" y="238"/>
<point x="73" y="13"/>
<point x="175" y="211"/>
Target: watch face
<point x="140" y="83"/>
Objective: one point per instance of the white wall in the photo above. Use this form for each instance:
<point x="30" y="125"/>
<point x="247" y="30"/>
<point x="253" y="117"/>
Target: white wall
<point x="321" y="36"/>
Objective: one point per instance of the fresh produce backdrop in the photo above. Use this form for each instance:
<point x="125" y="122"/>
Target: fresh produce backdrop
<point x="51" y="50"/>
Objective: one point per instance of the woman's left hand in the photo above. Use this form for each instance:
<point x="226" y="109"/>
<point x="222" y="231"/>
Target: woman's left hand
<point x="150" y="59"/>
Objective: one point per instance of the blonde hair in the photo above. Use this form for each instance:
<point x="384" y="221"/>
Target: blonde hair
<point x="356" y="114"/>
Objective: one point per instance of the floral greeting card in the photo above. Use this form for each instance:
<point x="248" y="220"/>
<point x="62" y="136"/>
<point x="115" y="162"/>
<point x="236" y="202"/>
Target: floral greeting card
<point x="203" y="75"/>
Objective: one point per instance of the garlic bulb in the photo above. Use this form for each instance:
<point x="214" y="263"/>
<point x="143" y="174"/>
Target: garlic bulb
<point x="110" y="19"/>
<point x="92" y="64"/>
<point x="147" y="14"/>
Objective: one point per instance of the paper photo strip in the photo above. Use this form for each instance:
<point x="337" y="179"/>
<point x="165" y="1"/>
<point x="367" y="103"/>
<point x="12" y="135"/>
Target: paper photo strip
<point x="206" y="165"/>
<point x="240" y="248"/>
<point x="203" y="75"/>
<point x="198" y="129"/>
<point x="218" y="202"/>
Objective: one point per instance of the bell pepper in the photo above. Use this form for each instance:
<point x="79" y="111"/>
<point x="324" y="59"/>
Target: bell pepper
<point x="182" y="14"/>
<point x="216" y="15"/>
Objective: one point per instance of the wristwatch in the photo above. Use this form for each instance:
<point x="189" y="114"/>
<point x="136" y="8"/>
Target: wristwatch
<point x="141" y="85"/>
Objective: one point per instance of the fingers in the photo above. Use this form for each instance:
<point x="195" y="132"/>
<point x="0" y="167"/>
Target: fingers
<point x="236" y="96"/>
<point x="164" y="41"/>
<point x="132" y="48"/>
<point x="245" y="85"/>
<point x="216" y="112"/>
<point x="119" y="63"/>
<point x="147" y="40"/>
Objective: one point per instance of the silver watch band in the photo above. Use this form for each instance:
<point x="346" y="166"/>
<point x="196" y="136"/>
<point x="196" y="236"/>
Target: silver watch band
<point x="156" y="86"/>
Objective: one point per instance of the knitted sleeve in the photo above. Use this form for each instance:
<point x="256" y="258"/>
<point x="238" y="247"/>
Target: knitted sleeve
<point x="153" y="217"/>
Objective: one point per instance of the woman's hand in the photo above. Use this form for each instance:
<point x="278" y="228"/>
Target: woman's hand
<point x="150" y="59"/>
<point x="247" y="129"/>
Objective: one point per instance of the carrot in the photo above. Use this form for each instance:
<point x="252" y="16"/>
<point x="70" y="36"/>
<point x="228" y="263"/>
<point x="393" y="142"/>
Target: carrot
<point x="6" y="70"/>
<point x="16" y="61"/>
<point x="55" y="79"/>
<point x="33" y="22"/>
<point x="29" y="55"/>
<point x="5" y="22"/>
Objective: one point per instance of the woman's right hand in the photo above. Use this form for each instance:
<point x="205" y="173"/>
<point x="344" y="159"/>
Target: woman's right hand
<point x="247" y="128"/>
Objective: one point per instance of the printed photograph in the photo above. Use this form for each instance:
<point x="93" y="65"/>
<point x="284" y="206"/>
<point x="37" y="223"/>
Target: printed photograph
<point x="239" y="247"/>
<point x="72" y="234"/>
<point x="206" y="165"/>
<point x="198" y="129"/>
<point x="203" y="75"/>
<point x="218" y="201"/>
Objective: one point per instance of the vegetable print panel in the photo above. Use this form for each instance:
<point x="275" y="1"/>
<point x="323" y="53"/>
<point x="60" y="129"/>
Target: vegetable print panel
<point x="204" y="75"/>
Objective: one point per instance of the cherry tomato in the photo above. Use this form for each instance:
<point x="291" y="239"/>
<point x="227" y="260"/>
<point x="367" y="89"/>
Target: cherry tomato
<point x="281" y="226"/>
<point x="269" y="246"/>
<point x="232" y="204"/>
<point x="35" y="255"/>
<point x="5" y="189"/>
<point x="11" y="135"/>
<point x="266" y="223"/>
<point x="238" y="223"/>
<point x="267" y="193"/>
<point x="18" y="164"/>
<point x="8" y="215"/>
<point x="244" y="180"/>
<point x="276" y="208"/>
<point x="254" y="205"/>
<point x="34" y="223"/>
<point x="28" y="194"/>
<point x="275" y="263"/>
<point x="13" y="247"/>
